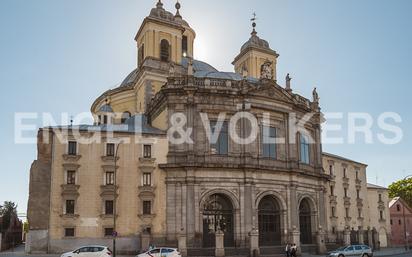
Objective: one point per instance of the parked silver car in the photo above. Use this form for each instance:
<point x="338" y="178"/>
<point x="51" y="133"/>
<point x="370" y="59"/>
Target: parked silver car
<point x="352" y="250"/>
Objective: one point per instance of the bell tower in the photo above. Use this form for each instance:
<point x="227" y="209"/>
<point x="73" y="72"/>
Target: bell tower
<point x="256" y="59"/>
<point x="164" y="37"/>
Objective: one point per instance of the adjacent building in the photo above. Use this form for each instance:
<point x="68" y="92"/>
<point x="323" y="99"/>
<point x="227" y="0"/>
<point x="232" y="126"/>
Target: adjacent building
<point x="401" y="222"/>
<point x="355" y="208"/>
<point x="125" y="176"/>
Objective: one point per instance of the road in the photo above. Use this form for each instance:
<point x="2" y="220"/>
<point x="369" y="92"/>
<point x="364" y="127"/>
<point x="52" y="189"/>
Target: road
<point x="19" y="252"/>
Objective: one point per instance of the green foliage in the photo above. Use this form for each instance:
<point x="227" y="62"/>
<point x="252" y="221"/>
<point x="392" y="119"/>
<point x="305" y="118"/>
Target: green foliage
<point x="6" y="211"/>
<point x="403" y="189"/>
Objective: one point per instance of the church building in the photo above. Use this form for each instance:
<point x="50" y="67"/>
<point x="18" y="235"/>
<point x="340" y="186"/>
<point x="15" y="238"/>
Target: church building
<point x="123" y="176"/>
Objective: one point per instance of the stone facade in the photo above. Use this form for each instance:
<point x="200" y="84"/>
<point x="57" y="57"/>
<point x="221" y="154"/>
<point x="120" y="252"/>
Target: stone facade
<point x="246" y="194"/>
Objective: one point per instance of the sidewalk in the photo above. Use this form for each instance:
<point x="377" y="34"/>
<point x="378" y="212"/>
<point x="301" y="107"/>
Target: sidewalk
<point x="382" y="253"/>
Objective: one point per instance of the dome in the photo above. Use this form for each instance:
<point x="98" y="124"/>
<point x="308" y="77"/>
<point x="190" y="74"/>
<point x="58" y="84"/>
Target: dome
<point x="106" y="108"/>
<point x="255" y="41"/>
<point x="130" y="79"/>
<point x="205" y="70"/>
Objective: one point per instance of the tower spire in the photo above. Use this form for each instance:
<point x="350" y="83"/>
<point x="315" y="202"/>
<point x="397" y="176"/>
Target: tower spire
<point x="253" y="20"/>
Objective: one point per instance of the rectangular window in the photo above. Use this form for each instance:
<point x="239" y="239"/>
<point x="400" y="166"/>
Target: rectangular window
<point x="108" y="232"/>
<point x="333" y="211"/>
<point x="147" y="179"/>
<point x="381" y="215"/>
<point x="347" y="212"/>
<point x="344" y="172"/>
<point x="391" y="222"/>
<point x="345" y="191"/>
<point x="269" y="148"/>
<point x="69" y="232"/>
<point x="110" y="149"/>
<point x="357" y="174"/>
<point x="331" y="170"/>
<point x="400" y="222"/>
<point x="108" y="207"/>
<point x="72" y="148"/>
<point x="357" y="193"/>
<point x="222" y="144"/>
<point x="109" y="178"/>
<point x="147" y="151"/>
<point x="380" y="198"/>
<point x="147" y="207"/>
<point x="398" y="207"/>
<point x="359" y="213"/>
<point x="304" y="149"/>
<point x="332" y="190"/>
<point x="69" y="206"/>
<point x="184" y="46"/>
<point x="71" y="177"/>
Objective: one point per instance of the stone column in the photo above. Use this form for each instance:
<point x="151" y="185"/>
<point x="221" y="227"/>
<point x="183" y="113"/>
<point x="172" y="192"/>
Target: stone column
<point x="254" y="243"/>
<point x="322" y="208"/>
<point x="248" y="208"/>
<point x="296" y="239"/>
<point x="145" y="241"/>
<point x="190" y="207"/>
<point x="320" y="241"/>
<point x="182" y="246"/>
<point x="346" y="236"/>
<point x="360" y="235"/>
<point x="220" y="248"/>
<point x="294" y="214"/>
<point x="370" y="239"/>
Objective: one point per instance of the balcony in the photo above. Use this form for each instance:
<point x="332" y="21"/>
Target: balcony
<point x="147" y="192"/>
<point x="70" y="190"/>
<point x="108" y="190"/>
<point x="346" y="201"/>
<point x="358" y="181"/>
<point x="333" y="199"/>
<point x="359" y="202"/>
<point x="109" y="158"/>
<point x="71" y="157"/>
<point x="345" y="180"/>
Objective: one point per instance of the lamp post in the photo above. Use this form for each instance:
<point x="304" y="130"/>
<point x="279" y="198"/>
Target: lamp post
<point x="115" y="198"/>
<point x="404" y="221"/>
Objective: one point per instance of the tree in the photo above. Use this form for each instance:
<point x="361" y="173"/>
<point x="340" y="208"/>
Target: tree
<point x="403" y="189"/>
<point x="7" y="211"/>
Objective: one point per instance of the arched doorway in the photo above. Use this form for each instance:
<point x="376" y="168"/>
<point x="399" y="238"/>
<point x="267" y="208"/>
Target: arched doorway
<point x="269" y="222"/>
<point x="305" y="222"/>
<point x="218" y="214"/>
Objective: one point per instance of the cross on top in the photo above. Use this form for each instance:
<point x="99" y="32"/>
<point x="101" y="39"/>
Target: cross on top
<point x="254" y="17"/>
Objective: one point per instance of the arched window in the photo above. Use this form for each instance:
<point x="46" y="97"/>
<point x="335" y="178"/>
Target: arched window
<point x="140" y="57"/>
<point x="184" y="46"/>
<point x="125" y="116"/>
<point x="164" y="50"/>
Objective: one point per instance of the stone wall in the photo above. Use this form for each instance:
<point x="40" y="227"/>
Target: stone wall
<point x="39" y="193"/>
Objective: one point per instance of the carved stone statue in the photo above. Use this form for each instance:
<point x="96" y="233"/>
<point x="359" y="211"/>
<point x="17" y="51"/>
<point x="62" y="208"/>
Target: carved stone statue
<point x="315" y="96"/>
<point x="266" y="71"/>
<point x="288" y="79"/>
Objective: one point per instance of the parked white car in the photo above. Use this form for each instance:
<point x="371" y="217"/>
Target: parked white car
<point x="161" y="252"/>
<point x="89" y="251"/>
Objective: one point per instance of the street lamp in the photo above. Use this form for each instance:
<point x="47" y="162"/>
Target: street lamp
<point x="404" y="222"/>
<point x="115" y="198"/>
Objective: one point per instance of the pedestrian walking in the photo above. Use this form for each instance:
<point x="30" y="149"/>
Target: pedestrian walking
<point x="287" y="250"/>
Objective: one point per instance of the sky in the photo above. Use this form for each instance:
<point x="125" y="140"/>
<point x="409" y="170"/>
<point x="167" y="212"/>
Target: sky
<point x="57" y="56"/>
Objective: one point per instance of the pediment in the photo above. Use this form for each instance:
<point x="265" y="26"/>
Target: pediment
<point x="269" y="89"/>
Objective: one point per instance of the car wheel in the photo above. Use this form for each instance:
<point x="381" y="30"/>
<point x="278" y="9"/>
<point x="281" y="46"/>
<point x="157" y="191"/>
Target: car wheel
<point x="341" y="255"/>
<point x="365" y="255"/>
